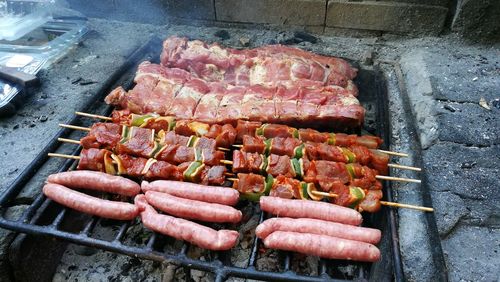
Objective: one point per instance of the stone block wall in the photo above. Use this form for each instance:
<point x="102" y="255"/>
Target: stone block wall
<point x="355" y="17"/>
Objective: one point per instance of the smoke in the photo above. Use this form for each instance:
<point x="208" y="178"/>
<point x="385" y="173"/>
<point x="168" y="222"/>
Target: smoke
<point x="157" y="12"/>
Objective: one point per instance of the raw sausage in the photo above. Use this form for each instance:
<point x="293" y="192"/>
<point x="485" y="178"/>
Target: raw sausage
<point x="94" y="180"/>
<point x="192" y="209"/>
<point x="181" y="229"/>
<point x="209" y="194"/>
<point x="322" y="246"/>
<point x="88" y="204"/>
<point x="310" y="209"/>
<point x="320" y="227"/>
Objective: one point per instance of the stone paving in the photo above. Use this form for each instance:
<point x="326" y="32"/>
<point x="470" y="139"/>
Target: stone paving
<point x="444" y="77"/>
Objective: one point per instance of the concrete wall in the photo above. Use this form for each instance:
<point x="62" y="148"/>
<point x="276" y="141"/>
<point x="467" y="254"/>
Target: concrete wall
<point x="414" y="17"/>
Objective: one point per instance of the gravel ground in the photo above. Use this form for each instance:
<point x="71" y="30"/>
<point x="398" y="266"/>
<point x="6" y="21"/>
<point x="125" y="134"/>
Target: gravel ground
<point x="460" y="161"/>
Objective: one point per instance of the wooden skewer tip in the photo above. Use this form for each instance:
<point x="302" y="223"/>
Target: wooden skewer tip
<point x="404" y="167"/>
<point x="390" y="178"/>
<point x="93" y="116"/>
<point x="405" y="155"/>
<point x="74" y="127"/>
<point x="398" y="205"/>
<point x="63" y="156"/>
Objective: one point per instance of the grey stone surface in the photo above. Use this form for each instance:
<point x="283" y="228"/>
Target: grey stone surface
<point x="473" y="254"/>
<point x="449" y="208"/>
<point x="459" y="127"/>
<point x="477" y="20"/>
<point x="420" y="90"/>
<point x="285" y="12"/>
<point x="386" y="16"/>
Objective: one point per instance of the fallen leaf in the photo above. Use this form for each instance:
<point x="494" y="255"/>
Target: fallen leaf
<point x="484" y="104"/>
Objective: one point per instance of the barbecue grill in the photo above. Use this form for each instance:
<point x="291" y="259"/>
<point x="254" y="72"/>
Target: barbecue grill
<point x="44" y="217"/>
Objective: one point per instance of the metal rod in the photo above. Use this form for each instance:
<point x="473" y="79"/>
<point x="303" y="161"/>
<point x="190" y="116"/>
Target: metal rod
<point x="122" y="232"/>
<point x="57" y="221"/>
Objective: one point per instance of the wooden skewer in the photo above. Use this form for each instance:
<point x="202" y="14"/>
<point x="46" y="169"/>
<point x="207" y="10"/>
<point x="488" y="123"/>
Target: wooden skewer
<point x="93" y="116"/>
<point x="232" y="179"/>
<point x="384" y="203"/>
<point x="404" y="167"/>
<point x="68" y="141"/>
<point x="229" y="174"/>
<point x="389" y="165"/>
<point x="64" y="156"/>
<point x="405" y="155"/>
<point x="381" y="177"/>
<point x="88" y="129"/>
<point x="378" y="150"/>
<point x="398" y="205"/>
<point x="74" y="127"/>
<point x="237" y="146"/>
<point x="402" y="179"/>
<point x="325" y="194"/>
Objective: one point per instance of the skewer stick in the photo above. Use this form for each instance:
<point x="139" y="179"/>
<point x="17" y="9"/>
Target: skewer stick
<point x="325" y="194"/>
<point x="68" y="141"/>
<point x="229" y="174"/>
<point x="93" y="116"/>
<point x="381" y="177"/>
<point x="64" y="156"/>
<point x="391" y="178"/>
<point x="398" y="205"/>
<point x="232" y="179"/>
<point x="405" y="155"/>
<point x="384" y="203"/>
<point x="74" y="127"/>
<point x="404" y="167"/>
<point x="88" y="129"/>
<point x="378" y="150"/>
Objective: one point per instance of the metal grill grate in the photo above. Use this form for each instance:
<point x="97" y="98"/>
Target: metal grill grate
<point x="44" y="217"/>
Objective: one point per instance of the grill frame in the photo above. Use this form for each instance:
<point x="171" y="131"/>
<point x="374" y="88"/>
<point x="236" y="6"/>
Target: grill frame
<point x="29" y="222"/>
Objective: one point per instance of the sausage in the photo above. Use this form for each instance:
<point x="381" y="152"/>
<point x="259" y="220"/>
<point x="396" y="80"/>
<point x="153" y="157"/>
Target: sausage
<point x="181" y="229"/>
<point x="193" y="209"/>
<point x="186" y="190"/>
<point x="88" y="204"/>
<point x="320" y="227"/>
<point x="94" y="180"/>
<point x="310" y="209"/>
<point x="322" y="246"/>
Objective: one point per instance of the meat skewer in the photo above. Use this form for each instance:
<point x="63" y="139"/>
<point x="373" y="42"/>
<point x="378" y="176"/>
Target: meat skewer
<point x="268" y="131"/>
<point x="253" y="187"/>
<point x="293" y="167"/>
<point x="171" y="153"/>
<point x="296" y="148"/>
<point x="151" y="169"/>
<point x="110" y="134"/>
<point x="224" y="135"/>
